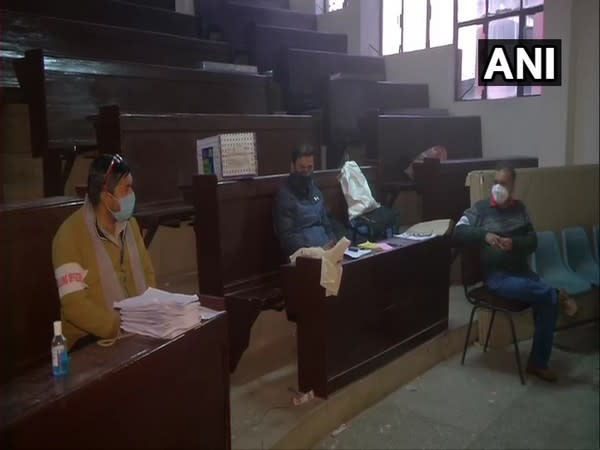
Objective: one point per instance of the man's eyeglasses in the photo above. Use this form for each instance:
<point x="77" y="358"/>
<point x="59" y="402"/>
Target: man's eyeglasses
<point x="116" y="160"/>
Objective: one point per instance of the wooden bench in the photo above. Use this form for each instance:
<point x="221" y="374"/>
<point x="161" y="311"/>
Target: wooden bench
<point x="441" y="184"/>
<point x="22" y="32"/>
<point x="238" y="254"/>
<point x="304" y="74"/>
<point x="235" y="20"/>
<point x="349" y="99"/>
<point x="128" y="383"/>
<point x="113" y="12"/>
<point x="388" y="304"/>
<point x="267" y="44"/>
<point x="63" y="92"/>
<point x="161" y="151"/>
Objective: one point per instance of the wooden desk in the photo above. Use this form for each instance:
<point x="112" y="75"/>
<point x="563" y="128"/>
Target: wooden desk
<point x="139" y="393"/>
<point x="388" y="304"/>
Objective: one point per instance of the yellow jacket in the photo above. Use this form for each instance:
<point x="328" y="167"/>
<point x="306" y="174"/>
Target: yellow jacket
<point x="83" y="308"/>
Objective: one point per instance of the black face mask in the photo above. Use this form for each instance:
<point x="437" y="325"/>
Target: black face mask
<point x="300" y="182"/>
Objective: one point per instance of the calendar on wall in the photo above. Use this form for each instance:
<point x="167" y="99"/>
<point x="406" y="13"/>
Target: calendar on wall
<point x="228" y="156"/>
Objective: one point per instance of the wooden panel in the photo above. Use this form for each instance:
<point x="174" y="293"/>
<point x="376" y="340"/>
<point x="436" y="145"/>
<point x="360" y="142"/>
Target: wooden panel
<point x="74" y="89"/>
<point x="349" y="99"/>
<point x="139" y="393"/>
<point x="396" y="140"/>
<point x="304" y="74"/>
<point x="267" y="44"/>
<point x="161" y="150"/>
<point x="29" y="300"/>
<point x="442" y="184"/>
<point x="165" y="4"/>
<point x="236" y="18"/>
<point x="77" y="39"/>
<point x="380" y="312"/>
<point x="112" y="12"/>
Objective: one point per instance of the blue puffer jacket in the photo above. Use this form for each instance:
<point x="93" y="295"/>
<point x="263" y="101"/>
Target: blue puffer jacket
<point x="300" y="217"/>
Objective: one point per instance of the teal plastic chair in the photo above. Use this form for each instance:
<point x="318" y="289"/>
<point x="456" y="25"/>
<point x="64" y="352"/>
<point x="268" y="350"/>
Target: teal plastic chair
<point x="578" y="254"/>
<point x="596" y="233"/>
<point x="549" y="265"/>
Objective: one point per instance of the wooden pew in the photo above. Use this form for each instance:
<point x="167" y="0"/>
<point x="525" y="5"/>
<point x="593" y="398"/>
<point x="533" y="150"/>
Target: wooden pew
<point x="77" y="39"/>
<point x="442" y="184"/>
<point x="165" y="4"/>
<point x="113" y="12"/>
<point x="28" y="294"/>
<point x="161" y="151"/>
<point x="388" y="304"/>
<point x="237" y="252"/>
<point x="266" y="43"/>
<point x="235" y="19"/>
<point x="62" y="92"/>
<point x="349" y="99"/>
<point x="304" y="75"/>
<point x="115" y="397"/>
<point x="395" y="140"/>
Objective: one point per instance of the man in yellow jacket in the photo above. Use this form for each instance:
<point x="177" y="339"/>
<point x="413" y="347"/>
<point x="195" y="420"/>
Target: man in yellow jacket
<point x="99" y="255"/>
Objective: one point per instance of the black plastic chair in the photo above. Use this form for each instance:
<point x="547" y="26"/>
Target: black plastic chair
<point x="481" y="298"/>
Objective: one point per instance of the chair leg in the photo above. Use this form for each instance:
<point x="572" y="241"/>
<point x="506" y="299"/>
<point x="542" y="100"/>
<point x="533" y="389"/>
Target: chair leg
<point x="489" y="331"/>
<point x="517" y="354"/>
<point x="462" y="362"/>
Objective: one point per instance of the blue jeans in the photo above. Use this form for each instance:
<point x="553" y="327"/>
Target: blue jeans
<point x="528" y="288"/>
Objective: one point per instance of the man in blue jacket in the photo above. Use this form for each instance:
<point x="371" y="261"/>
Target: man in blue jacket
<point x="299" y="213"/>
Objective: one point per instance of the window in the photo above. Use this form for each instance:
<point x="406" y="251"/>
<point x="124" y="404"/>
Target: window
<point x="494" y="19"/>
<point x="323" y="6"/>
<point x="416" y="24"/>
<point x="334" y="5"/>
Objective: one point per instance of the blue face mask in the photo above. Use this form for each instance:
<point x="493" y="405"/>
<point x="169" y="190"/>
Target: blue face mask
<point x="127" y="204"/>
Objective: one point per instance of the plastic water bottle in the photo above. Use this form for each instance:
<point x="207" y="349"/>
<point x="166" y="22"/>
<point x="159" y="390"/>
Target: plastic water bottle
<point x="60" y="357"/>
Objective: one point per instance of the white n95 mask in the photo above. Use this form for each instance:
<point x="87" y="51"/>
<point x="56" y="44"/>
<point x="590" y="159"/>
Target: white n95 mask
<point x="499" y="194"/>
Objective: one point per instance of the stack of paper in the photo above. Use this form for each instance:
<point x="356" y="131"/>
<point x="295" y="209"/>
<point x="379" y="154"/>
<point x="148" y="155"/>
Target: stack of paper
<point x="161" y="314"/>
<point x="427" y="230"/>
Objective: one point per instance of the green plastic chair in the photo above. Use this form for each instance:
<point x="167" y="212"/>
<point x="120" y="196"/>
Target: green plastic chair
<point x="549" y="265"/>
<point x="578" y="254"/>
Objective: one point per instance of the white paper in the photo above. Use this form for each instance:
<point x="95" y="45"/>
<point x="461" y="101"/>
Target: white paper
<point x="162" y="314"/>
<point x="357" y="254"/>
<point x="415" y="236"/>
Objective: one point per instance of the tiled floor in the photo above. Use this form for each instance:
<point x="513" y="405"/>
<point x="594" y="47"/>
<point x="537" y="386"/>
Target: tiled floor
<point x="483" y="405"/>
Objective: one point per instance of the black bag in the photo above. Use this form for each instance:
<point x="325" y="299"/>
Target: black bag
<point x="379" y="224"/>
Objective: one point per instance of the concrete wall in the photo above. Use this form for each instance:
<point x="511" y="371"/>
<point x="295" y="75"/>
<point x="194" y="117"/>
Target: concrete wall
<point x="537" y="126"/>
<point x="583" y="145"/>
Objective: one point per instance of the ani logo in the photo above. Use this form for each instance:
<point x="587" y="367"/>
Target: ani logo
<point x="528" y="62"/>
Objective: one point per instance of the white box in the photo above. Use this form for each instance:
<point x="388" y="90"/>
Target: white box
<point x="228" y="156"/>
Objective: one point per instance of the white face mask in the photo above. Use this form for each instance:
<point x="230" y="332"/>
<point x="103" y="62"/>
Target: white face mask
<point x="499" y="194"/>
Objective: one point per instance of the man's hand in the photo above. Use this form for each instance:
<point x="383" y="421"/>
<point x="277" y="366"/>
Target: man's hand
<point x="493" y="240"/>
<point x="506" y="244"/>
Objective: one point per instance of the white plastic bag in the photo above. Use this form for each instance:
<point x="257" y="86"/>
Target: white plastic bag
<point x="356" y="190"/>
